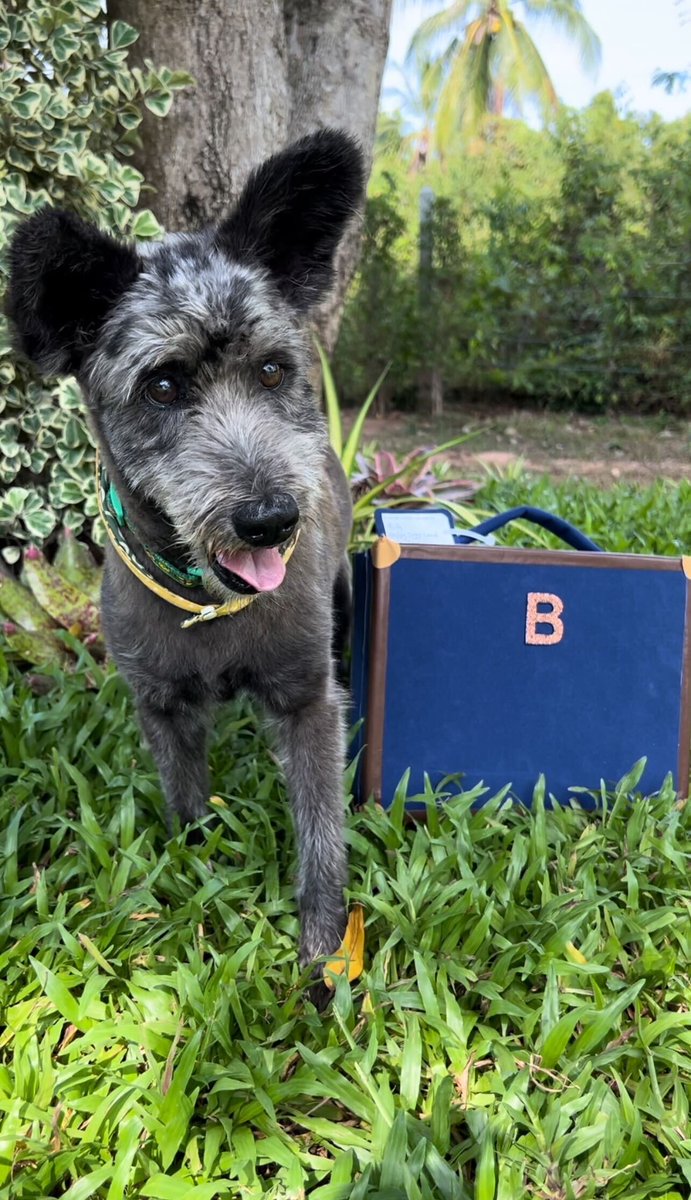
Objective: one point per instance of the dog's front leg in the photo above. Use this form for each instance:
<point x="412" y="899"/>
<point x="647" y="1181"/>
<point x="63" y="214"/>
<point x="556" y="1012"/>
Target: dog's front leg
<point x="177" y="733"/>
<point x="311" y="743"/>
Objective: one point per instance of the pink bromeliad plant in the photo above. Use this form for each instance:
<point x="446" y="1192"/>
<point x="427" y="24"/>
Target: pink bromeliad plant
<point x="379" y="478"/>
<point x="407" y="479"/>
<point x="382" y="480"/>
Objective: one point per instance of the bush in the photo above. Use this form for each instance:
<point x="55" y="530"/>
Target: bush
<point x="559" y="270"/>
<point x="70" y="109"/>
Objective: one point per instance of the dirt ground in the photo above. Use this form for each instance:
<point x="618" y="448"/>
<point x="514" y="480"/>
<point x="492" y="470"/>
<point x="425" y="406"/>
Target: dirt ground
<point x="602" y="449"/>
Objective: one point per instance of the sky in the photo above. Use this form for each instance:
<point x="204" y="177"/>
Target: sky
<point x="638" y="37"/>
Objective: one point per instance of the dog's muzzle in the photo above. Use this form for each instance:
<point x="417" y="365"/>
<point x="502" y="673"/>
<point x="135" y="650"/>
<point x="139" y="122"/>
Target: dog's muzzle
<point x="265" y="526"/>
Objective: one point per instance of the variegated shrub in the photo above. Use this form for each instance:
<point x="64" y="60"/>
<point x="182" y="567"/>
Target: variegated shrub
<point x="69" y="110"/>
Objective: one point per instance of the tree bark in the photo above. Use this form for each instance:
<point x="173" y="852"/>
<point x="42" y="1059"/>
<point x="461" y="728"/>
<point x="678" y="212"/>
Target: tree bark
<point x="336" y="55"/>
<point x="199" y="155"/>
<point x="267" y="71"/>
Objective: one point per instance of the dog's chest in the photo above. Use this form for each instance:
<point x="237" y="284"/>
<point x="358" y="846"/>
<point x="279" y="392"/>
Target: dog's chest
<point x="274" y="649"/>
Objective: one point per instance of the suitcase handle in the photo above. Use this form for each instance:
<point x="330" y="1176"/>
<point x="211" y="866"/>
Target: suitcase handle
<point x="556" y="525"/>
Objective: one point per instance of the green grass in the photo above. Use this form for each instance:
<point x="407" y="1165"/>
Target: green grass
<point x="523" y="1027"/>
<point x="646" y="520"/>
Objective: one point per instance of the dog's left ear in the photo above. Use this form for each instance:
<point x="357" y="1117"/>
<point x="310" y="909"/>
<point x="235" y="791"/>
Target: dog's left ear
<point x="293" y="210"/>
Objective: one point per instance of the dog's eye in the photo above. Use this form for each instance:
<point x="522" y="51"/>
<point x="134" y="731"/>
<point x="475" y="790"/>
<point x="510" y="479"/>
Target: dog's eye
<point x="163" y="390"/>
<point x="271" y="375"/>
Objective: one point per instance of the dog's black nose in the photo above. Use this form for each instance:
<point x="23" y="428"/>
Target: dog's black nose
<point x="267" y="522"/>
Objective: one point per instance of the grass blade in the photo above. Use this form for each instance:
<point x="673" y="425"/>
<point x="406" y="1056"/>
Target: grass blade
<point x="333" y="407"/>
<point x="354" y="437"/>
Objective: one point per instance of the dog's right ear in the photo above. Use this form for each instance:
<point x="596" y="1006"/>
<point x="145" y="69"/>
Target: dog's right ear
<point x="65" y="276"/>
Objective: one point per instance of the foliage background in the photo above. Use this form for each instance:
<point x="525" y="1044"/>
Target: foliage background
<point x="562" y="265"/>
<point x="69" y="112"/>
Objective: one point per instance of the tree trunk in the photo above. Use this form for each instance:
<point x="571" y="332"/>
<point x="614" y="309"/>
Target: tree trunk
<point x="336" y="55"/>
<point x="199" y="155"/>
<point x="267" y="71"/>
<point x="436" y="393"/>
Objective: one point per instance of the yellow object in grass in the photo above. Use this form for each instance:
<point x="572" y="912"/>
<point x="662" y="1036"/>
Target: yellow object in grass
<point x="350" y="956"/>
<point x="576" y="955"/>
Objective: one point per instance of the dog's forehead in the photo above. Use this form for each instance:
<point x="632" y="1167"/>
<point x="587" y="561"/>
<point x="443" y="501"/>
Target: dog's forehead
<point x="185" y="274"/>
<point x="188" y="303"/>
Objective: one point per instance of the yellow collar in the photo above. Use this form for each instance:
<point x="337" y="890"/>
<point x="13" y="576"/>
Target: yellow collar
<point x="202" y="612"/>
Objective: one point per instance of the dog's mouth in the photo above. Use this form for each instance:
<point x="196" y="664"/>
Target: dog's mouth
<point x="250" y="571"/>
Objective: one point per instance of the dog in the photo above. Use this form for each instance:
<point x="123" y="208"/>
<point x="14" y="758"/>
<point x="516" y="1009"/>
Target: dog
<point x="218" y="484"/>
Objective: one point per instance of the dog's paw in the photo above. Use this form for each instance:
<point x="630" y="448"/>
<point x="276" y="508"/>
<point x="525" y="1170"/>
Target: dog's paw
<point x="198" y="829"/>
<point x="320" y="994"/>
<point x="321" y="935"/>
<point x="346" y="959"/>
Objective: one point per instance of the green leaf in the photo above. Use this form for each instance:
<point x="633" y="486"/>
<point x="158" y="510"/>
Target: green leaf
<point x="122" y="35"/>
<point x="40" y="524"/>
<point x="56" y="991"/>
<point x="174" y="1187"/>
<point x="333" y="408"/>
<point x="88" y="1184"/>
<point x="15" y="499"/>
<point x="395" y="1154"/>
<point x="486" y="1175"/>
<point x="603" y="1025"/>
<point x="411" y="1062"/>
<point x="160" y="103"/>
<point x="145" y="225"/>
<point x="558" y="1038"/>
<point x="63" y="46"/>
<point x="28" y="105"/>
<point x="128" y="1144"/>
<point x="355" y="436"/>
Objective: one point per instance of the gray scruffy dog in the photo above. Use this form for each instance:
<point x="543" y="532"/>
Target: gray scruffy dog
<point x="194" y="365"/>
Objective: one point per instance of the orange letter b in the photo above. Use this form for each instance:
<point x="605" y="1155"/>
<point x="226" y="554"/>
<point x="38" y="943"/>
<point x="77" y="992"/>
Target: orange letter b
<point x="533" y="618"/>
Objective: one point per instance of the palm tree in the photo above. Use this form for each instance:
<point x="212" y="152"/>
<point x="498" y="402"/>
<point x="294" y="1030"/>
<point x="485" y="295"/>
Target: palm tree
<point x="492" y="62"/>
<point x="672" y="81"/>
<point x="420" y="83"/>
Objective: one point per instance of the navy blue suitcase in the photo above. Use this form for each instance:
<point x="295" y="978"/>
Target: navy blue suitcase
<point x="496" y="665"/>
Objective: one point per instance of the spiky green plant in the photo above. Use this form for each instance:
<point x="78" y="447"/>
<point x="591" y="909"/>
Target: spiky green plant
<point x="377" y="487"/>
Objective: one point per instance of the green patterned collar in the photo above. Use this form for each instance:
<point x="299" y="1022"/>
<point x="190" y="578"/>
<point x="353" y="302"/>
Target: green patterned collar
<point x="116" y="519"/>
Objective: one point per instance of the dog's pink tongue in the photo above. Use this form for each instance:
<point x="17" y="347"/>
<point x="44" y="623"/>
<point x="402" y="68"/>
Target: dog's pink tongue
<point x="262" y="569"/>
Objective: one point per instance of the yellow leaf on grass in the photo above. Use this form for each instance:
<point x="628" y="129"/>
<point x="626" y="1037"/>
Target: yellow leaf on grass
<point x="350" y="956"/>
<point x="576" y="955"/>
